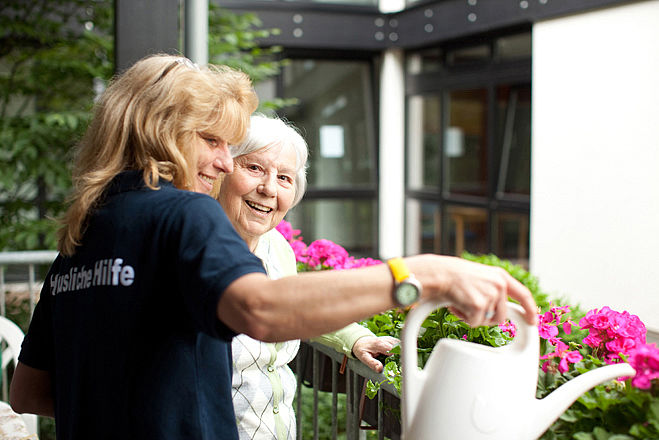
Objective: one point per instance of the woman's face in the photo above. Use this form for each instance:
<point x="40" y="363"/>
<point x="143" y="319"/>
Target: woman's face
<point x="260" y="191"/>
<point x="213" y="158"/>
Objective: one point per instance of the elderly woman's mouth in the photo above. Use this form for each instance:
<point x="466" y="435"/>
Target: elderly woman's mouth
<point x="258" y="207"/>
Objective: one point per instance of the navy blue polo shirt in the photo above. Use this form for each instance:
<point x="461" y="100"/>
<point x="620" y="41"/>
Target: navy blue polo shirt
<point x="128" y="326"/>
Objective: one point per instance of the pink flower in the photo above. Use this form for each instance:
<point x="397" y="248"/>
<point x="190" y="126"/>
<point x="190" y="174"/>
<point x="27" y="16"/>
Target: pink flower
<point x="548" y="331"/>
<point x="352" y="263"/>
<point x="567" y="327"/>
<point x="612" y="333"/>
<point x="509" y="327"/>
<point x="287" y="230"/>
<point x="299" y="249"/>
<point x="326" y="253"/>
<point x="565" y="356"/>
<point x="548" y="323"/>
<point x="320" y="254"/>
<point x="645" y="360"/>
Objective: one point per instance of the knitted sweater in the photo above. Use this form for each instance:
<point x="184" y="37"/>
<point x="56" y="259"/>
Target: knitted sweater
<point x="263" y="384"/>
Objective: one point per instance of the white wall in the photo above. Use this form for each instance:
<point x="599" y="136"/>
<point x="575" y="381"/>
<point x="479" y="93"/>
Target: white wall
<point x="595" y="162"/>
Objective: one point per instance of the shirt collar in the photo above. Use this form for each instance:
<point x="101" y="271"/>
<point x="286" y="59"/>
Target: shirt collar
<point x="131" y="180"/>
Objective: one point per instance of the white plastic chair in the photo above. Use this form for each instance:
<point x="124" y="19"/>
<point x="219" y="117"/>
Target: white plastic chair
<point x="13" y="336"/>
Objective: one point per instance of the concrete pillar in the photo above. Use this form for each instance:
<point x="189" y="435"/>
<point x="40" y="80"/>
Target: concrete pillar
<point x="392" y="154"/>
<point x="196" y="31"/>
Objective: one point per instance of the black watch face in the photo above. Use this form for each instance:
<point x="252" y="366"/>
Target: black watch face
<point x="407" y="293"/>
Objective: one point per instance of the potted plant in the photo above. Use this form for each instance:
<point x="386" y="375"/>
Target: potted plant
<point x="572" y="343"/>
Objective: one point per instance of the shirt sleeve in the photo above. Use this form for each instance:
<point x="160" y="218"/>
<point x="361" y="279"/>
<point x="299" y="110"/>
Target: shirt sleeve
<point x="281" y="258"/>
<point x="37" y="350"/>
<point x="343" y="339"/>
<point x="210" y="256"/>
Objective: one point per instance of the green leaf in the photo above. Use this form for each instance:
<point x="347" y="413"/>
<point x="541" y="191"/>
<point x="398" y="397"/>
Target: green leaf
<point x="372" y="389"/>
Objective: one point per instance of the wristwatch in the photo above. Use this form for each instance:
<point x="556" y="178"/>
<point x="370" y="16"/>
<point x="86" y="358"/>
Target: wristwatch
<point x="407" y="289"/>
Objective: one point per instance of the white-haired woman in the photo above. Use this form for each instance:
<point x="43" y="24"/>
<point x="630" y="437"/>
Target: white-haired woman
<point x="269" y="179"/>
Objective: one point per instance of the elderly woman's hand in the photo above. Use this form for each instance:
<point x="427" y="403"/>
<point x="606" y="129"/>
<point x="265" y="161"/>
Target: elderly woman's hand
<point x="367" y="348"/>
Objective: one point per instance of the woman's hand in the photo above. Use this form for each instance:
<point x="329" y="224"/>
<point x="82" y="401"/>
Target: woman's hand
<point x="476" y="292"/>
<point x="367" y="348"/>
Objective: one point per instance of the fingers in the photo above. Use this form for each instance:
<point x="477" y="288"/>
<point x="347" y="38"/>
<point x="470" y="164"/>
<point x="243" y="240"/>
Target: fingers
<point x="479" y="293"/>
<point x="368" y="347"/>
<point x="519" y="292"/>
<point x="372" y="363"/>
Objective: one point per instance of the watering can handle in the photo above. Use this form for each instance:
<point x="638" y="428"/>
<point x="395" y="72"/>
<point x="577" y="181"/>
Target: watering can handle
<point x="413" y="378"/>
<point x="420" y="312"/>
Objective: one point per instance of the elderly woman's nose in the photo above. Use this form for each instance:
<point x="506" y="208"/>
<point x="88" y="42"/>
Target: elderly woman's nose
<point x="268" y="186"/>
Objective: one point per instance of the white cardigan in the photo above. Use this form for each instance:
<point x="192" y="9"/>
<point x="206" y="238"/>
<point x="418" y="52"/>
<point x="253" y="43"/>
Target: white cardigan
<point x="263" y="384"/>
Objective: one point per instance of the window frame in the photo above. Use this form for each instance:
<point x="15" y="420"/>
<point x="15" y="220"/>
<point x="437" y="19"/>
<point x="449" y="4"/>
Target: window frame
<point x="362" y="192"/>
<point x="488" y="75"/>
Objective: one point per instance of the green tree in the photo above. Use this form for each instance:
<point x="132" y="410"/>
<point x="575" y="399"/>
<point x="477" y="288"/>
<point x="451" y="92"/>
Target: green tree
<point x="55" y="56"/>
<point x="234" y="40"/>
<point x="52" y="53"/>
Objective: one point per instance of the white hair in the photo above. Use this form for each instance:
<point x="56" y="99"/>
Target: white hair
<point x="265" y="131"/>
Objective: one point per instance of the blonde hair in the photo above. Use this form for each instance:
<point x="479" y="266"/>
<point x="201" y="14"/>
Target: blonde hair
<point x="146" y="120"/>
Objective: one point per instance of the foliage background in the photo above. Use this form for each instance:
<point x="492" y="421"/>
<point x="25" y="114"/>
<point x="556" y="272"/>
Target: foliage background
<point x="52" y="54"/>
<point x="55" y="57"/>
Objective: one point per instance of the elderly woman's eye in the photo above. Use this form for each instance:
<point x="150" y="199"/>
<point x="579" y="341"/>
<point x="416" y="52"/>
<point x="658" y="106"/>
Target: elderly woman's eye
<point x="285" y="178"/>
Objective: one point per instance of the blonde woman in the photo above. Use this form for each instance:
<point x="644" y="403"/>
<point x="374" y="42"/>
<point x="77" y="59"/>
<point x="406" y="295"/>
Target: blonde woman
<point x="131" y="337"/>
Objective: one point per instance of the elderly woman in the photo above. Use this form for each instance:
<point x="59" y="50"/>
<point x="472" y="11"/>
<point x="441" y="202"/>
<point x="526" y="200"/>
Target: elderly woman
<point x="269" y="179"/>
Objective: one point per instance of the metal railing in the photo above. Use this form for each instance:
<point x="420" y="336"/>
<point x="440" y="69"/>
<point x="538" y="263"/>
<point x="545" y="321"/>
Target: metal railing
<point x="31" y="259"/>
<point x="344" y="376"/>
<point x="25" y="283"/>
<point x="358" y="417"/>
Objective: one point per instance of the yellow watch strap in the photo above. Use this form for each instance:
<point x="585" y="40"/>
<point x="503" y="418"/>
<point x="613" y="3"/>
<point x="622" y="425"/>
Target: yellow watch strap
<point x="398" y="269"/>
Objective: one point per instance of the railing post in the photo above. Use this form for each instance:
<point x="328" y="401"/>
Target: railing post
<point x="30" y="286"/>
<point x="335" y="400"/>
<point x="3" y="299"/>
<point x="380" y="415"/>
<point x="298" y="393"/>
<point x="316" y="379"/>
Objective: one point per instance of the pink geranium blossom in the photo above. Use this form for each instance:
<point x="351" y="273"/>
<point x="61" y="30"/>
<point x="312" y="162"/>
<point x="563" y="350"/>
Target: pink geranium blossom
<point x="564" y="355"/>
<point x="549" y="322"/>
<point x="287" y="230"/>
<point x="612" y="333"/>
<point x="509" y="327"/>
<point x="321" y="254"/>
<point x="645" y="360"/>
<point x="326" y="253"/>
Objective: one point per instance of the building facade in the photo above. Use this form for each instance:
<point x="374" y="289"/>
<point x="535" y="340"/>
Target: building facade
<point x="523" y="128"/>
<point x="519" y="128"/>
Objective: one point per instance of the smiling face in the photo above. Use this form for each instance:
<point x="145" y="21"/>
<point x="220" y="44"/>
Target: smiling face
<point x="213" y="158"/>
<point x="260" y="191"/>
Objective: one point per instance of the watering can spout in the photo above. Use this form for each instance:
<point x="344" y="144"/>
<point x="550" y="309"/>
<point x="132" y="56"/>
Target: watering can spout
<point x="553" y="405"/>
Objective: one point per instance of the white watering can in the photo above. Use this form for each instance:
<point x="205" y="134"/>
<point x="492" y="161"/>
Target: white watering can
<point x="469" y="391"/>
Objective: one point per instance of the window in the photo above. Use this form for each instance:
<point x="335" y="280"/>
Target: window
<point x="336" y="117"/>
<point x="469" y="148"/>
<point x="465" y="143"/>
